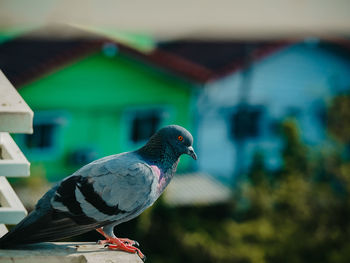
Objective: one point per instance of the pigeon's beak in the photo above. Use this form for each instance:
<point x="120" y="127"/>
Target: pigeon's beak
<point x="191" y="152"/>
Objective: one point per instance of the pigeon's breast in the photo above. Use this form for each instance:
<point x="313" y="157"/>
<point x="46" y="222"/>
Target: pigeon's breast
<point x="160" y="178"/>
<point x="163" y="179"/>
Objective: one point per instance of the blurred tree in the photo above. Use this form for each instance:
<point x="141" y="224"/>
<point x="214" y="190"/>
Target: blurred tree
<point x="298" y="214"/>
<point x="339" y="118"/>
<point x="292" y="215"/>
<point x="294" y="152"/>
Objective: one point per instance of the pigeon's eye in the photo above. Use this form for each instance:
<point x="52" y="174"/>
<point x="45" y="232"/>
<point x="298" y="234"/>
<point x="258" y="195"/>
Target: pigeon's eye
<point x="180" y="138"/>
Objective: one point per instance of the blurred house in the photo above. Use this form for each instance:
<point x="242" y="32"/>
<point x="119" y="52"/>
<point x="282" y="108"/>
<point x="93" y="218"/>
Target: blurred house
<point x="248" y="88"/>
<point x="92" y="97"/>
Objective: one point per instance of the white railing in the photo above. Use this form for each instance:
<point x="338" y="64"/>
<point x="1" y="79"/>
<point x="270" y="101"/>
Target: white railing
<point x="15" y="117"/>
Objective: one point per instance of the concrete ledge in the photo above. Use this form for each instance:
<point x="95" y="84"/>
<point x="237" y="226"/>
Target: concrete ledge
<point x="66" y="253"/>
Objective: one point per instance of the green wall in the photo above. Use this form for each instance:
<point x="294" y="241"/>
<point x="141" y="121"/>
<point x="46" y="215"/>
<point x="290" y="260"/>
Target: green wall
<point x="91" y="99"/>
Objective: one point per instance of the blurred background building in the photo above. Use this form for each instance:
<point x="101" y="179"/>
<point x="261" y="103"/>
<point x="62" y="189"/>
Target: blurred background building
<point x="94" y="96"/>
<point x="262" y="85"/>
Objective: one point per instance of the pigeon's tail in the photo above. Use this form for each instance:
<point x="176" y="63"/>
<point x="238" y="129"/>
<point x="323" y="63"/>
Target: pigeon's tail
<point x="21" y="233"/>
<point x="39" y="227"/>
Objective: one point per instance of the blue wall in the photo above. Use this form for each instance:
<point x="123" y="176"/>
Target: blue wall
<point x="297" y="81"/>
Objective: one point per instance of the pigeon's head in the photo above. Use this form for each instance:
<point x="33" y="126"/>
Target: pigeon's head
<point x="171" y="141"/>
<point x="178" y="139"/>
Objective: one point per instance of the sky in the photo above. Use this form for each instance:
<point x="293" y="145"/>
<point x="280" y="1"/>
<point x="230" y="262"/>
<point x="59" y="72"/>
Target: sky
<point x="166" y="19"/>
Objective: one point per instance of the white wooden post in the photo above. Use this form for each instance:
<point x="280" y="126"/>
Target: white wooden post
<point x="15" y="117"/>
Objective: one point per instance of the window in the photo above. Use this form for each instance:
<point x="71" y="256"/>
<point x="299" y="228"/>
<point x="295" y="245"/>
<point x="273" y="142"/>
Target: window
<point x="245" y="122"/>
<point x="142" y="121"/>
<point x="144" y="125"/>
<point x="47" y="139"/>
<point x="42" y="138"/>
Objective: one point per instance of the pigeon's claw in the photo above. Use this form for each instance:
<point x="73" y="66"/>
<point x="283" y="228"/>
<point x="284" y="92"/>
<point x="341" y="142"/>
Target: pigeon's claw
<point x="111" y="240"/>
<point x="130" y="242"/>
<point x="126" y="241"/>
<point x="128" y="248"/>
<point x="103" y="242"/>
<point x="124" y="244"/>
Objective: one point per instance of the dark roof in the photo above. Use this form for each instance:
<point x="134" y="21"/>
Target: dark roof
<point x="26" y="58"/>
<point x="214" y="55"/>
<point x="215" y="59"/>
<point x="205" y="61"/>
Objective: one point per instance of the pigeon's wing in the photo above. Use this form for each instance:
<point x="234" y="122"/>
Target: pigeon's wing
<point x="45" y="224"/>
<point x="114" y="188"/>
<point x="107" y="190"/>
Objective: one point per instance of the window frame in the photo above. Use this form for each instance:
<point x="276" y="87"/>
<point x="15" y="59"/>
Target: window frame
<point x="259" y="124"/>
<point x="166" y="118"/>
<point x="57" y="118"/>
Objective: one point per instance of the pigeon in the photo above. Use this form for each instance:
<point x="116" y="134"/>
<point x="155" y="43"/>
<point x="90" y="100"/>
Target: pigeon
<point x="105" y="193"/>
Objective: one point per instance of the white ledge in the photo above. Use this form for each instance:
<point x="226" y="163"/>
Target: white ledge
<point x="15" y="115"/>
<point x="3" y="230"/>
<point x="66" y="253"/>
<point x="11" y="210"/>
<point x="12" y="161"/>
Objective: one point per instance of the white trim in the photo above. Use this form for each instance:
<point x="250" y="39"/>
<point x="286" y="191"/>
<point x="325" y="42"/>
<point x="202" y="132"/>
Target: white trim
<point x="15" y="115"/>
<point x="11" y="211"/>
<point x="3" y="230"/>
<point x="12" y="161"/>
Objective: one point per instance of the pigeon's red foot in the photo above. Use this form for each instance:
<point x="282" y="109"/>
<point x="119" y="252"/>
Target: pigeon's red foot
<point x="124" y="244"/>
<point x="126" y="241"/>
<point x="127" y="248"/>
<point x="130" y="242"/>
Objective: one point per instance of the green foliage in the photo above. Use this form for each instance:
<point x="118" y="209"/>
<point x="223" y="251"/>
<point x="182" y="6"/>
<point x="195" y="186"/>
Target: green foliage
<point x="298" y="214"/>
<point x="339" y="118"/>
<point x="294" y="152"/>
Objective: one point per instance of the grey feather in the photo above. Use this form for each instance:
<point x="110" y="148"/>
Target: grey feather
<point x="126" y="180"/>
